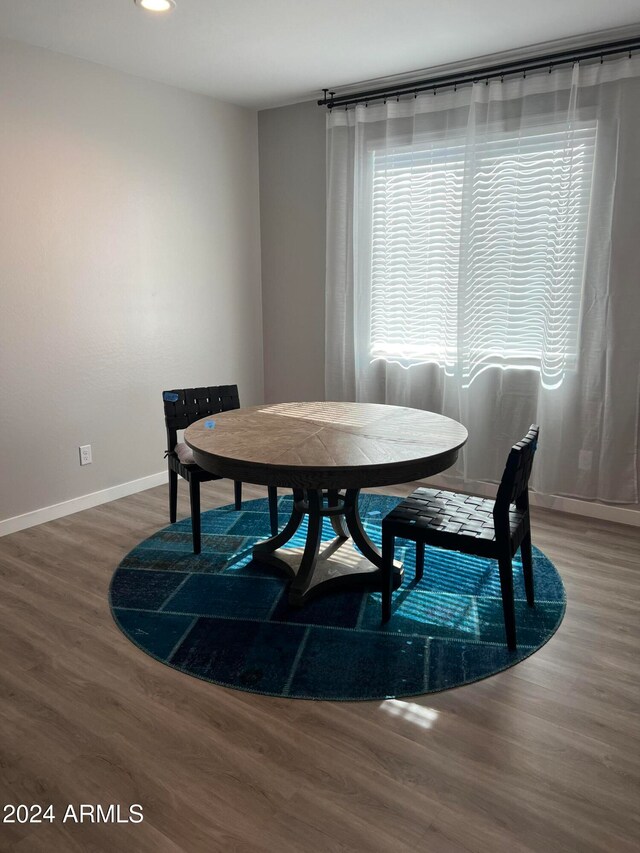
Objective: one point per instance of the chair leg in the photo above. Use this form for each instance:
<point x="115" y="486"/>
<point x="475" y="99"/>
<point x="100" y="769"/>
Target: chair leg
<point x="194" y="494"/>
<point x="506" y="587"/>
<point x="237" y="493"/>
<point x="527" y="567"/>
<point x="273" y="509"/>
<point x="419" y="560"/>
<point x="173" y="496"/>
<point x="388" y="547"/>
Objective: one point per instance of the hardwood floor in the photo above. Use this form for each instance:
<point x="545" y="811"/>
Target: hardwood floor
<point x="543" y="757"/>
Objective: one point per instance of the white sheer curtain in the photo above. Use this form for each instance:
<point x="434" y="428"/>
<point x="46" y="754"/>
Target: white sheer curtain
<point x="470" y="268"/>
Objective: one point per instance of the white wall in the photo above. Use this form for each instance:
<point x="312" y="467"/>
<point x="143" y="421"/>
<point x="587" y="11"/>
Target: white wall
<point x="292" y="216"/>
<point x="129" y="263"/>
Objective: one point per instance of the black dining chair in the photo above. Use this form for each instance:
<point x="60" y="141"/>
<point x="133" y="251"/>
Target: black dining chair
<point x="472" y="525"/>
<point x="182" y="407"/>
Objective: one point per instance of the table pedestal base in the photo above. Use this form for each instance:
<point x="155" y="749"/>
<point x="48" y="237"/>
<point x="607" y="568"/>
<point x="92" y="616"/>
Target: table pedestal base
<point x="323" y="566"/>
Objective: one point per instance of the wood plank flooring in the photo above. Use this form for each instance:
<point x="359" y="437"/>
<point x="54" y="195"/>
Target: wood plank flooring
<point x="544" y="757"/>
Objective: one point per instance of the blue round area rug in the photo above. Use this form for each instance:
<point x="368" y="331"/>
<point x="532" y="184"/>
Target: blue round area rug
<point x="223" y="617"/>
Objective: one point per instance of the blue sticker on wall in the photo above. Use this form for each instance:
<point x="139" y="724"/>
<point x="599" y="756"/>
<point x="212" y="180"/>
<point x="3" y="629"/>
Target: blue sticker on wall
<point x="209" y="424"/>
<point x="170" y="397"/>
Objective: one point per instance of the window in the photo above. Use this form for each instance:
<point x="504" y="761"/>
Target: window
<point x="477" y="252"/>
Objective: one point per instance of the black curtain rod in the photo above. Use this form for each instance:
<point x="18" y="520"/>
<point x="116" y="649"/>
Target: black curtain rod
<point x="535" y="63"/>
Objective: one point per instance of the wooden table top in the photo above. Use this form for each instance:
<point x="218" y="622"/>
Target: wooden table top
<point x="325" y="445"/>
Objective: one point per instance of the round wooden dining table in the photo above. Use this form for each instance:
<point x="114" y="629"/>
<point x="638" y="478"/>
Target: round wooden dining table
<point x="326" y="453"/>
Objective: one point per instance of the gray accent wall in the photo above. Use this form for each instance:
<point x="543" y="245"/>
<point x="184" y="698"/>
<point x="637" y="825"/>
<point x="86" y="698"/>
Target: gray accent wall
<point x="292" y="216"/>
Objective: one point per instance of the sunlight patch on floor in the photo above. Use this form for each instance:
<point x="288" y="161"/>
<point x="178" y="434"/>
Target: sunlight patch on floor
<point x="410" y="711"/>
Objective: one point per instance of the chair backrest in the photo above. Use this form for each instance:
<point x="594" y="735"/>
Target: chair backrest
<point x="184" y="406"/>
<point x="514" y="485"/>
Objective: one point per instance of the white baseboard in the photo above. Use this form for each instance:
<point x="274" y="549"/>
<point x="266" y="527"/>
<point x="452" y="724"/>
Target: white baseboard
<point x="573" y="506"/>
<point x="49" y="513"/>
<point x="602" y="512"/>
<point x="590" y="509"/>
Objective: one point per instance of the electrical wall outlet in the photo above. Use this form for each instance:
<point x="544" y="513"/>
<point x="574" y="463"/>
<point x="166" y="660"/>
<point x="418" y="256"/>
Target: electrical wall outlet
<point x="85" y="454"/>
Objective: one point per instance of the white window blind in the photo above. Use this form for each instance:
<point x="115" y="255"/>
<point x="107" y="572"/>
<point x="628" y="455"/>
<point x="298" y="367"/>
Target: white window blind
<point x="478" y="251"/>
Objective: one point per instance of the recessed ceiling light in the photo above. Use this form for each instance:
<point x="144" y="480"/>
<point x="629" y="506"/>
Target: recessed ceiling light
<point x="156" y="5"/>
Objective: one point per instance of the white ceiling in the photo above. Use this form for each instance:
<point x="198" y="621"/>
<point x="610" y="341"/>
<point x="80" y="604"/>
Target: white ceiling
<point x="263" y="53"/>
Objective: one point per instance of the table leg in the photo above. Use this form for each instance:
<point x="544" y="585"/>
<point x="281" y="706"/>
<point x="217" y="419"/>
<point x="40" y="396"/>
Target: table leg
<point x="302" y="579"/>
<point x="281" y="538"/>
<point x="356" y="528"/>
<point x="334" y="499"/>
<point x="321" y="566"/>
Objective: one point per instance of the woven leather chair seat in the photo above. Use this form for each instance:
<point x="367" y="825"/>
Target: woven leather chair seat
<point x="440" y="514"/>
